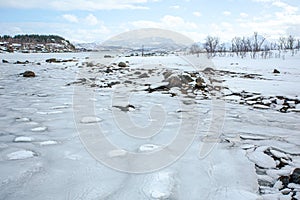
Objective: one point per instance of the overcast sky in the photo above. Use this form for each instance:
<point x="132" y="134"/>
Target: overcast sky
<point x="98" y="20"/>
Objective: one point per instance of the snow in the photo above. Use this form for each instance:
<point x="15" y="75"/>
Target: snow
<point x="262" y="160"/>
<point x="160" y="186"/>
<point x="88" y="120"/>
<point x="117" y="153"/>
<point x="20" y="155"/>
<point x="46" y="143"/>
<point x="229" y="194"/>
<point x="50" y="112"/>
<point x="285" y="84"/>
<point x="23" y="139"/>
<point x="39" y="129"/>
<point x="279" y="154"/>
<point x="260" y="106"/>
<point x="23" y="119"/>
<point x="43" y="157"/>
<point x="294" y="186"/>
<point x="148" y="147"/>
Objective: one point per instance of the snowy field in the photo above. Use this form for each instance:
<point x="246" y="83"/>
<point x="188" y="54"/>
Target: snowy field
<point x="241" y="141"/>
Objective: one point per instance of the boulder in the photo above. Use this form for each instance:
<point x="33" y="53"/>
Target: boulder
<point x="200" y="83"/>
<point x="122" y="64"/>
<point x="127" y="108"/>
<point x="275" y="71"/>
<point x="186" y="78"/>
<point x="4" y="61"/>
<point x="28" y="74"/>
<point x="284" y="180"/>
<point x="21" y="63"/>
<point x="174" y="81"/>
<point x="295" y="176"/>
<point x="108" y="70"/>
<point x="52" y="60"/>
<point x="144" y="75"/>
<point x="167" y="74"/>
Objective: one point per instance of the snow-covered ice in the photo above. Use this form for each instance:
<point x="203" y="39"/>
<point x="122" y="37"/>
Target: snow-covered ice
<point x="20" y="155"/>
<point x="49" y="142"/>
<point x="39" y="129"/>
<point x="87" y="120"/>
<point x="23" y="139"/>
<point x="261" y="159"/>
<point x="43" y="157"/>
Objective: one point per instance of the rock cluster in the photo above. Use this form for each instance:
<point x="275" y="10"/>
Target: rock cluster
<point x="280" y="103"/>
<point x="54" y="60"/>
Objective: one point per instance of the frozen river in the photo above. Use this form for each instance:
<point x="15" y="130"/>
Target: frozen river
<point x="88" y="129"/>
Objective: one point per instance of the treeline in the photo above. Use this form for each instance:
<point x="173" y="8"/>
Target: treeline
<point x="34" y="38"/>
<point x="243" y="45"/>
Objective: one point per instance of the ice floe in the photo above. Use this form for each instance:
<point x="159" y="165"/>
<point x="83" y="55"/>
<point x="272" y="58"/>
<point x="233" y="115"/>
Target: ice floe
<point x="21" y="155"/>
<point x="89" y="120"/>
<point x="39" y="129"/>
<point x="23" y="139"/>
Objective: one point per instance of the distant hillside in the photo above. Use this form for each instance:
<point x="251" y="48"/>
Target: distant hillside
<point x="149" y="38"/>
<point x="35" y="43"/>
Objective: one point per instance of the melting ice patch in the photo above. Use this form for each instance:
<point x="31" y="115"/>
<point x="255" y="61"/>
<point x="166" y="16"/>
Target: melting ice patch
<point x="23" y="139"/>
<point x="261" y="159"/>
<point x="21" y="155"/>
<point x="39" y="129"/>
<point x="49" y="142"/>
<point x="160" y="185"/>
<point x="89" y="120"/>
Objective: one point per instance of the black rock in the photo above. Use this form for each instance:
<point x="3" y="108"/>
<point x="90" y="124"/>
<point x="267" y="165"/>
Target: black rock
<point x="108" y="70"/>
<point x="285" y="180"/>
<point x="284" y="109"/>
<point x="28" y="74"/>
<point x="122" y="64"/>
<point x="264" y="183"/>
<point x="4" y="61"/>
<point x="276" y="71"/>
<point x="125" y="108"/>
<point x="53" y="60"/>
<point x="251" y="76"/>
<point x="21" y="63"/>
<point x="295" y="176"/>
<point x="200" y="83"/>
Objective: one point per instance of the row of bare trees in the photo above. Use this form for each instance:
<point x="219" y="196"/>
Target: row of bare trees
<point x="289" y="43"/>
<point x="243" y="45"/>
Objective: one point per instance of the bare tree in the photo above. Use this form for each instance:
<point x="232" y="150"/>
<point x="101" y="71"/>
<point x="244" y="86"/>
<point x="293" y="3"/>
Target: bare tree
<point x="290" y="42"/>
<point x="236" y="45"/>
<point x="282" y="44"/>
<point x="195" y="49"/>
<point x="241" y="46"/>
<point x="222" y="49"/>
<point x="298" y="44"/>
<point x="211" y="45"/>
<point x="257" y="43"/>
